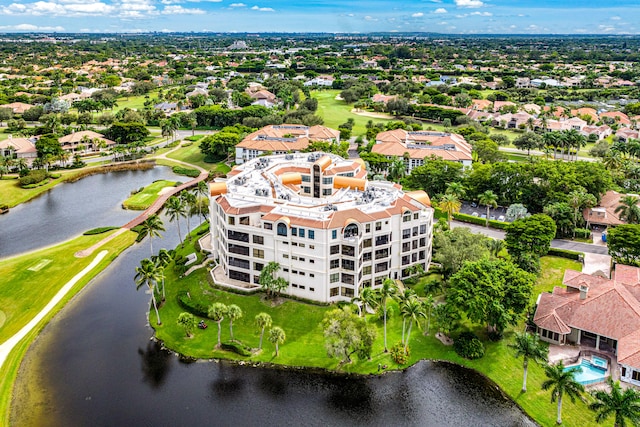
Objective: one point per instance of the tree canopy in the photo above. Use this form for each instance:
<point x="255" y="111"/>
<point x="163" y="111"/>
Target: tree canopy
<point x="624" y="244"/>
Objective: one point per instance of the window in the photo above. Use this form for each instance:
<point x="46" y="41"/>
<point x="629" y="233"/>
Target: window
<point x="244" y="220"/>
<point x="382" y="253"/>
<point x="286" y="270"/>
<point x="414" y="244"/>
<point x="347" y="292"/>
<point x="382" y="266"/>
<point x="334" y="263"/>
<point x="623" y="372"/>
<point x="326" y="180"/>
<point x="415" y="215"/>
<point x="285" y="256"/>
<point x="366" y="283"/>
<point x="312" y="275"/>
<point x="312" y="247"/>
<point x="312" y="261"/>
<point x="406" y="246"/>
<point x="350" y="230"/>
<point x="421" y="255"/>
<point x="301" y="232"/>
<point x="258" y="240"/>
<point x="238" y="275"/>
<point x="366" y="243"/>
<point x="302" y="245"/>
<point x="334" y="234"/>
<point x="348" y="250"/>
<point x="237" y="249"/>
<point x="333" y="278"/>
<point x="312" y="234"/>
<point x="415" y="231"/>
<point x="635" y="375"/>
<point x="302" y="259"/>
<point x="382" y="240"/>
<point x="348" y="264"/>
<point x="268" y="226"/>
<point x="312" y="289"/>
<point x="406" y="233"/>
<point x="282" y="229"/>
<point x="239" y="262"/>
<point x="406" y="259"/>
<point x="333" y="292"/>
<point x="258" y="266"/>
<point x="294" y="285"/>
<point x="423" y="228"/>
<point x="366" y="269"/>
<point x="294" y="231"/>
<point x="378" y="226"/>
<point x="367" y="228"/>
<point x="293" y="257"/>
<point x="258" y="253"/>
<point x="306" y="189"/>
<point x="302" y="287"/>
<point x="235" y="235"/>
<point x="334" y="249"/>
<point x="306" y="178"/>
<point x="232" y="220"/>
<point x="366" y="256"/>
<point x="349" y="279"/>
<point x="326" y="191"/>
<point x="406" y="217"/>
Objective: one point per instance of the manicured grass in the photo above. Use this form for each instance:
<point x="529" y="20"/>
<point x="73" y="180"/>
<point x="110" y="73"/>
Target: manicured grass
<point x="191" y="154"/>
<point x="336" y="112"/>
<point x="304" y="345"/>
<point x="552" y="272"/>
<point x="12" y="194"/>
<point x="23" y="293"/>
<point x="145" y="198"/>
<point x="134" y="102"/>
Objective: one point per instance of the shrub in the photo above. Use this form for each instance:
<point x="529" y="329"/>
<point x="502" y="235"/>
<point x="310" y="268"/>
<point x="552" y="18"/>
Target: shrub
<point x="398" y="354"/>
<point x="565" y="253"/>
<point x="236" y="347"/>
<point x="192" y="173"/>
<point x="33" y="177"/>
<point x="479" y="221"/>
<point x="194" y="305"/>
<point x="469" y="346"/>
<point x="582" y="233"/>
<point x="99" y="230"/>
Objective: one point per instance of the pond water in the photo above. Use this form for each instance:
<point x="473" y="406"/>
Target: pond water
<point x="70" y="209"/>
<point x="95" y="364"/>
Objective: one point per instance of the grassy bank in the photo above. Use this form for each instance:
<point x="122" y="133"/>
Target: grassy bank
<point x="304" y="345"/>
<point x="30" y="281"/>
<point x="145" y="198"/>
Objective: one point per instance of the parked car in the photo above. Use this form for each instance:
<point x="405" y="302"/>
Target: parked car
<point x="501" y="218"/>
<point x="474" y="205"/>
<point x="492" y="217"/>
<point x="475" y="214"/>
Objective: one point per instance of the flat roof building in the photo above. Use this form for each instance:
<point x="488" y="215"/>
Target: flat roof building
<point x="332" y="231"/>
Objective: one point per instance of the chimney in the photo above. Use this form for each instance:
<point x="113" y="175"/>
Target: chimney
<point x="583" y="291"/>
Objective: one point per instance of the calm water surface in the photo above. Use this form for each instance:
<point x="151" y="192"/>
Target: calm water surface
<point x="95" y="365"/>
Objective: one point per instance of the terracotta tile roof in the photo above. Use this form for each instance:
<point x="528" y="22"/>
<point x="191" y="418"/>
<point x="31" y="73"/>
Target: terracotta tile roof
<point x="604" y="213"/>
<point x="298" y="137"/>
<point x="76" y="137"/>
<point x="20" y="145"/>
<point x="17" y="107"/>
<point x="418" y="145"/>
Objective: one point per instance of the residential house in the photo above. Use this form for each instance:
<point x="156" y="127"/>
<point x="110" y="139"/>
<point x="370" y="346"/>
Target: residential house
<point x="498" y="105"/>
<point x="597" y="313"/>
<point x="167" y="107"/>
<point x="19" y="148"/>
<point x="415" y="146"/>
<point x="624" y="134"/>
<point x="92" y="141"/>
<point x="605" y="213"/>
<point x="514" y="121"/>
<point x="263" y="95"/>
<point x="326" y="81"/>
<point x="282" y="139"/>
<point x="615" y="117"/>
<point x="481" y="104"/>
<point x="600" y="131"/>
<point x="17" y="107"/>
<point x="383" y="99"/>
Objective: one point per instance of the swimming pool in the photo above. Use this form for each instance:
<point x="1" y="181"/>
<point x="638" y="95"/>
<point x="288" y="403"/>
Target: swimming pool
<point x="590" y="374"/>
<point x="599" y="362"/>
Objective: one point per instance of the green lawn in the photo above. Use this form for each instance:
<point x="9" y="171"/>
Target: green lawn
<point x="304" y="345"/>
<point x="12" y="194"/>
<point x="24" y="292"/>
<point x="134" y="102"/>
<point x="336" y="112"/>
<point x="145" y="198"/>
<point x="192" y="154"/>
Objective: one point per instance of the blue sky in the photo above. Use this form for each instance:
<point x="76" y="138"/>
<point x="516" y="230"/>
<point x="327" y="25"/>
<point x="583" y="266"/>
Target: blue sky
<point x="349" y="16"/>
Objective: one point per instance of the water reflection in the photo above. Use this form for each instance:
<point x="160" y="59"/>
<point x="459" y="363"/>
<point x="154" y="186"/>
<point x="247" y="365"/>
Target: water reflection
<point x="156" y="363"/>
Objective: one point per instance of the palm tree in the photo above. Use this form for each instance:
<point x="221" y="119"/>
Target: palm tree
<point x="202" y="191"/>
<point x="367" y="298"/>
<point x="277" y="337"/>
<point x="629" y="209"/>
<point x="234" y="312"/>
<point x="151" y="227"/>
<point x="457" y="189"/>
<point x="428" y="307"/>
<point x="623" y="405"/>
<point x="163" y="259"/>
<point x="397" y="169"/>
<point x="386" y="291"/>
<point x="578" y="199"/>
<point x="216" y="312"/>
<point x="495" y="246"/>
<point x="528" y="346"/>
<point x="450" y="204"/>
<point x="175" y="210"/>
<point x="147" y="274"/>
<point x="187" y="321"/>
<point x="490" y="200"/>
<point x="561" y="382"/>
<point x="403" y="298"/>
<point x="189" y="201"/>
<point x="263" y="321"/>
<point x="411" y="309"/>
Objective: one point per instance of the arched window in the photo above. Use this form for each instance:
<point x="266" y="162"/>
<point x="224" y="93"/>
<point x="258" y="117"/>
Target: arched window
<point x="282" y="229"/>
<point x="350" y="230"/>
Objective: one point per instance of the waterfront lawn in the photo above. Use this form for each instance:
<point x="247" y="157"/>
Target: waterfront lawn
<point x="191" y="154"/>
<point x="145" y="198"/>
<point x="23" y="293"/>
<point x="304" y="345"/>
<point x="12" y="194"/>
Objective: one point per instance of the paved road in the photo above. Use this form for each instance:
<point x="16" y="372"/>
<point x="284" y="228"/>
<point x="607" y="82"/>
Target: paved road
<point x="556" y="243"/>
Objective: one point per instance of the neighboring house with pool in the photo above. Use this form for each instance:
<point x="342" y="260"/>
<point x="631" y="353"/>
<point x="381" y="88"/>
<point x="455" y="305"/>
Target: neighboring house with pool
<point x="596" y="312"/>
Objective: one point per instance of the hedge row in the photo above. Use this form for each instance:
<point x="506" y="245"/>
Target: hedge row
<point x="582" y="233"/>
<point x="236" y="347"/>
<point x="565" y="253"/>
<point x="480" y="221"/>
<point x="199" y="307"/>
<point x="34" y="176"/>
<point x="99" y="230"/>
<point x="192" y="173"/>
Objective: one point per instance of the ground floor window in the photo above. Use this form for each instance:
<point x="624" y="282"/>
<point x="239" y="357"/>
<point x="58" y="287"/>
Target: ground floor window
<point x="334" y="292"/>
<point x="238" y="275"/>
<point x="635" y="375"/>
<point x="554" y="336"/>
<point x="623" y="372"/>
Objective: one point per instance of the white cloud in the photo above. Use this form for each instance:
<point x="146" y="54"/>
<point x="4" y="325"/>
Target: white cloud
<point x="30" y="27"/>
<point x="370" y="18"/>
<point x="440" y="10"/>
<point x="481" y="14"/>
<point x="237" y="5"/>
<point x="615" y="18"/>
<point x="263" y="9"/>
<point x="606" y="28"/>
<point x="179" y="10"/>
<point x="417" y="15"/>
<point x="469" y="3"/>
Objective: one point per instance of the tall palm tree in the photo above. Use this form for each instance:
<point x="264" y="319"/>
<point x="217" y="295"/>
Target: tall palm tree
<point x="457" y="189"/>
<point x="580" y="199"/>
<point x="368" y="298"/>
<point x="450" y="204"/>
<point x="629" y="209"/>
<point x="561" y="382"/>
<point x="234" y="312"/>
<point x="411" y="309"/>
<point x="397" y="169"/>
<point x="189" y="201"/>
<point x="528" y="346"/>
<point x="147" y="274"/>
<point x="277" y="337"/>
<point x="386" y="291"/>
<point x="490" y="200"/>
<point x="216" y="312"/>
<point x="263" y="321"/>
<point x="623" y="405"/>
<point x="403" y="298"/>
<point x="152" y="227"/>
<point x="428" y="303"/>
<point x="175" y="210"/>
<point x="202" y="191"/>
<point x="163" y="259"/>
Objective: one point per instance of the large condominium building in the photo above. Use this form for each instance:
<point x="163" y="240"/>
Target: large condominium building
<point x="282" y="139"/>
<point x="414" y="147"/>
<point x="332" y="231"/>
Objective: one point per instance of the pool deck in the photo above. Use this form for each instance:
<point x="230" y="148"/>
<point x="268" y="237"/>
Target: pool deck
<point x="570" y="355"/>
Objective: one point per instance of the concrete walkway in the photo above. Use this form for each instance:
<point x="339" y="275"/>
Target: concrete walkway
<point x="8" y="345"/>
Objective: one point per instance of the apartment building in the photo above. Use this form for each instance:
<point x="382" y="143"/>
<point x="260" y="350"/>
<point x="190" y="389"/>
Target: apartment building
<point x="332" y="231"/>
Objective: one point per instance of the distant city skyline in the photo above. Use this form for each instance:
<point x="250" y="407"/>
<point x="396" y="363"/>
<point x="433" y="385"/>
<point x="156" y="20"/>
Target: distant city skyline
<point x="355" y="16"/>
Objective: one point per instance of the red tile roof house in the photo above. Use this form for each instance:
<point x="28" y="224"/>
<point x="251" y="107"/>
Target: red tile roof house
<point x="596" y="312"/>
